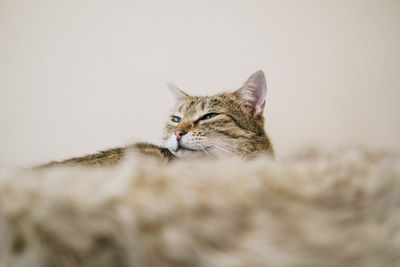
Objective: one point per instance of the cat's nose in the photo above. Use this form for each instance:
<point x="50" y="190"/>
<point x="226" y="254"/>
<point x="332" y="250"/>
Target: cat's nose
<point x="179" y="134"/>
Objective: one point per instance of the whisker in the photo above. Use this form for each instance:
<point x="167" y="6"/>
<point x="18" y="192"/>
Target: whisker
<point x="217" y="145"/>
<point x="214" y="145"/>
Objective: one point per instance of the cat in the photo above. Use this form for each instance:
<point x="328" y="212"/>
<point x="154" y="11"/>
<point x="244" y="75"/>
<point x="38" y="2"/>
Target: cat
<point x="226" y="124"/>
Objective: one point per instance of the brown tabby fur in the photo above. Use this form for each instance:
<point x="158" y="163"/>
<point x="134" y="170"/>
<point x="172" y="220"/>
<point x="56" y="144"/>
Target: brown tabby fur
<point x="115" y="155"/>
<point x="235" y="126"/>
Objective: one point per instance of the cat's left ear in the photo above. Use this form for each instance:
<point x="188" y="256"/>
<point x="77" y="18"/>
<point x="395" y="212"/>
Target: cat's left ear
<point x="176" y="92"/>
<point x="253" y="93"/>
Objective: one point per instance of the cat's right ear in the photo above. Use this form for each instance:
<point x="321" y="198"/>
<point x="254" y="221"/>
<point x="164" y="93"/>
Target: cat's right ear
<point x="176" y="92"/>
<point x="253" y="93"/>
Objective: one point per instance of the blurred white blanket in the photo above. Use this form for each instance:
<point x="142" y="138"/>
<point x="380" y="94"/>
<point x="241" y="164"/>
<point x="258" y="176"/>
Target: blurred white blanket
<point x="313" y="209"/>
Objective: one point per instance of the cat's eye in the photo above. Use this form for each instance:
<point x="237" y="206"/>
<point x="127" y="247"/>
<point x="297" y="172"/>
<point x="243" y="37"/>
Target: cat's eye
<point x="208" y="116"/>
<point x="175" y="119"/>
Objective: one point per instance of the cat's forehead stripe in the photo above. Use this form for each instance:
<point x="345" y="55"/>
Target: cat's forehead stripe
<point x="203" y="104"/>
<point x="192" y="106"/>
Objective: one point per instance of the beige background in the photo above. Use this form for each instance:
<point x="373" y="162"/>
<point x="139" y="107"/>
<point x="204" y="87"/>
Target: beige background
<point x="79" y="76"/>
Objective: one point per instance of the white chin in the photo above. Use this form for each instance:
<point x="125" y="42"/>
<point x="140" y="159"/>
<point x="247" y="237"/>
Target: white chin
<point x="187" y="153"/>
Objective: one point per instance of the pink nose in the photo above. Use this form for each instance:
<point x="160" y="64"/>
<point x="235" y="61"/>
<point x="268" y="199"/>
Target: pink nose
<point x="179" y="134"/>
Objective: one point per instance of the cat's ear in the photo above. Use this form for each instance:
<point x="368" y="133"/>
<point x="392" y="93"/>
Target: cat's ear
<point x="176" y="92"/>
<point x="253" y="93"/>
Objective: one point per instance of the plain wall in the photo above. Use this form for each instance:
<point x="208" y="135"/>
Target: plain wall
<point x="80" y="76"/>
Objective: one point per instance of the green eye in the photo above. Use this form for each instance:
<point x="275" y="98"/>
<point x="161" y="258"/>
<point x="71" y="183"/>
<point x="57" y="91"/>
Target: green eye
<point x="175" y="119"/>
<point x="208" y="116"/>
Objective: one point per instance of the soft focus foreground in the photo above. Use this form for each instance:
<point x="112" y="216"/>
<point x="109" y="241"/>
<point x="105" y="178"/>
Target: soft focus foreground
<point x="313" y="209"/>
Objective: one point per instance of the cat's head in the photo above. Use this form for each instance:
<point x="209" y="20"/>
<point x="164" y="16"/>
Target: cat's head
<point x="230" y="123"/>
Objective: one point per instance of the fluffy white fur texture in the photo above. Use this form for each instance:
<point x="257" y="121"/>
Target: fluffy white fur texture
<point x="313" y="209"/>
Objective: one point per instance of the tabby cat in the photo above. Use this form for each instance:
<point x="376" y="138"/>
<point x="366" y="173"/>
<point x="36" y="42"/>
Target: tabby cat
<point x="226" y="124"/>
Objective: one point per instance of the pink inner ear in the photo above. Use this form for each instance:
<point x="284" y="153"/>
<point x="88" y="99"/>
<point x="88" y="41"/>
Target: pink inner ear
<point x="259" y="109"/>
<point x="254" y="91"/>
